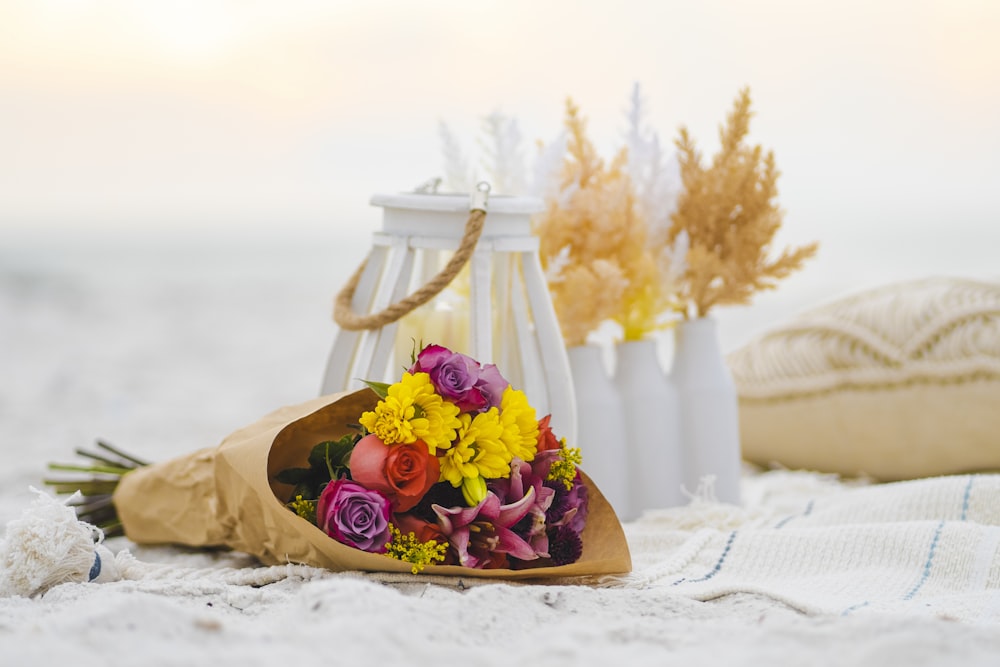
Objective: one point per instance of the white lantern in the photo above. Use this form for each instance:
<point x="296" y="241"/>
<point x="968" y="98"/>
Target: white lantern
<point x="497" y="310"/>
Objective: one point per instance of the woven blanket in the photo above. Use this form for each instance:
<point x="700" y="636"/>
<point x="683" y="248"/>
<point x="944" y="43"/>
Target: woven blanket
<point x="924" y="547"/>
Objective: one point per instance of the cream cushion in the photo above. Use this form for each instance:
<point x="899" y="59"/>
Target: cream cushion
<point x="895" y="383"/>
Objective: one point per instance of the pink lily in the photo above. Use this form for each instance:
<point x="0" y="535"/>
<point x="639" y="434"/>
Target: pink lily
<point x="523" y="479"/>
<point x="478" y="532"/>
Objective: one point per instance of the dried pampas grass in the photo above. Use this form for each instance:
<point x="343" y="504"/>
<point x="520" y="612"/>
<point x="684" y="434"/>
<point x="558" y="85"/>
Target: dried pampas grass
<point x="730" y="214"/>
<point x="594" y="244"/>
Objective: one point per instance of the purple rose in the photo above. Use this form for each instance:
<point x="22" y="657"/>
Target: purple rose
<point x="430" y="357"/>
<point x="491" y="385"/>
<point x="455" y="379"/>
<point x="460" y="379"/>
<point x="353" y="515"/>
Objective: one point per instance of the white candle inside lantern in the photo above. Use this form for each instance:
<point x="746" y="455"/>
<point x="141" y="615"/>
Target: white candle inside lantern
<point x="443" y="321"/>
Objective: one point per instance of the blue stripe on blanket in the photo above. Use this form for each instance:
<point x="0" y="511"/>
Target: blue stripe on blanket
<point x="718" y="564"/>
<point x="807" y="512"/>
<point x="965" y="498"/>
<point x="927" y="565"/>
<point x="852" y="608"/>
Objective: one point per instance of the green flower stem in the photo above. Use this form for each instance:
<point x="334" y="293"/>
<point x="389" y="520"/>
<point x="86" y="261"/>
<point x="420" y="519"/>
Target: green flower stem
<point x="92" y="504"/>
<point x="88" y="487"/>
<point x="106" y="469"/>
<point x="112" y="528"/>
<point x="125" y="455"/>
<point x="98" y="483"/>
<point x="103" y="459"/>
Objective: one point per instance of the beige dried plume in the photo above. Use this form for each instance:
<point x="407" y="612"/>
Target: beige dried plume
<point x="593" y="243"/>
<point x="730" y="212"/>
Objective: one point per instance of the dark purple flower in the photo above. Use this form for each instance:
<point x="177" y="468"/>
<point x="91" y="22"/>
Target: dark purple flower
<point x="542" y="463"/>
<point x="565" y="545"/>
<point x="353" y="515"/>
<point x="569" y="507"/>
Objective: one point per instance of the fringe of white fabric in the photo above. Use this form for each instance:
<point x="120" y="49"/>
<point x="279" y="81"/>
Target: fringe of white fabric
<point x="48" y="546"/>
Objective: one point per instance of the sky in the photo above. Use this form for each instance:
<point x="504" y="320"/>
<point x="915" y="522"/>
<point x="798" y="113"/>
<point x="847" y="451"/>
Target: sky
<point x="283" y="118"/>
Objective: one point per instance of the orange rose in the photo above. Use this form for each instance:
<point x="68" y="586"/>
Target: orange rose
<point x="546" y="438"/>
<point x="403" y="472"/>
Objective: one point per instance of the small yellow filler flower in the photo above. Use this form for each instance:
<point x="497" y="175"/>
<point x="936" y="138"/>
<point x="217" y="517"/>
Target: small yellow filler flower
<point x="409" y="549"/>
<point x="564" y="468"/>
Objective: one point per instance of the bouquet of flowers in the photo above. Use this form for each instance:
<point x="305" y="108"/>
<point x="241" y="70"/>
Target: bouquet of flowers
<point x="449" y="467"/>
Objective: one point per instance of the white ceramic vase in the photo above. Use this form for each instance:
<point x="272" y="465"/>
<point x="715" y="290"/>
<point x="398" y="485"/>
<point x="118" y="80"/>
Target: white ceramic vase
<point x="652" y="426"/>
<point x="709" y="409"/>
<point x="600" y="426"/>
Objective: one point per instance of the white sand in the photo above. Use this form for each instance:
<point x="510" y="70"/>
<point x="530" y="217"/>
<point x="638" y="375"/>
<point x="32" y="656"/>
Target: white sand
<point x="166" y="359"/>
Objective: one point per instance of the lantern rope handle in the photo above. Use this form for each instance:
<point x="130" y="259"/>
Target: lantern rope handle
<point x="348" y="320"/>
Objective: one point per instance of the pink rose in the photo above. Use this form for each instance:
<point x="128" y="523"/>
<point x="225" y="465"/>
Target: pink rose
<point x="354" y="515"/>
<point x="402" y="472"/>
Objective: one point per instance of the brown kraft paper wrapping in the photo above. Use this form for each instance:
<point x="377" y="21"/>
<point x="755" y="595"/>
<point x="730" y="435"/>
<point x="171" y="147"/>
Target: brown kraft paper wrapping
<point x="226" y="497"/>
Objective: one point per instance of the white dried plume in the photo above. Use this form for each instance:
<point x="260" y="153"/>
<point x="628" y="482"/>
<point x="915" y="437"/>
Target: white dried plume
<point x="458" y="176"/>
<point x="547" y="170"/>
<point x="656" y="176"/>
<point x="503" y="159"/>
<point x="673" y="259"/>
<point x="557" y="264"/>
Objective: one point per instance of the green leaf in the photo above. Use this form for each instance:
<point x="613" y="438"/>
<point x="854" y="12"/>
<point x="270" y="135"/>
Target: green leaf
<point x="306" y="490"/>
<point x="414" y="350"/>
<point x="294" y="476"/>
<point x="329" y="464"/>
<point x="328" y="460"/>
<point x="332" y="450"/>
<point x="380" y="388"/>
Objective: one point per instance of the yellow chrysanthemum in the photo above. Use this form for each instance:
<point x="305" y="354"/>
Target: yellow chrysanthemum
<point x="520" y="426"/>
<point x="478" y="452"/>
<point x="413" y="411"/>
